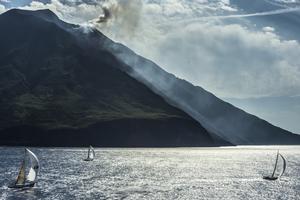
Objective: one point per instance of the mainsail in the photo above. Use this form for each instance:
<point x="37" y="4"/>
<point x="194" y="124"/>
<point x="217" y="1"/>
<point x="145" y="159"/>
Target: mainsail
<point x="21" y="175"/>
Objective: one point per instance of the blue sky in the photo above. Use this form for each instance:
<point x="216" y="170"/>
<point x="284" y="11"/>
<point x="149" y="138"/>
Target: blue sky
<point x="232" y="48"/>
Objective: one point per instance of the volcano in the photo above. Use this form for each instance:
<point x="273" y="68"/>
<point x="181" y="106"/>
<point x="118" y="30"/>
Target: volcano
<point x="63" y="85"/>
<point x="60" y="89"/>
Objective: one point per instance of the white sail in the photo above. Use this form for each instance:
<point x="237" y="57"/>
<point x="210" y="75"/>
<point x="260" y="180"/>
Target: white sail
<point x="283" y="167"/>
<point x="34" y="168"/>
<point x="91" y="153"/>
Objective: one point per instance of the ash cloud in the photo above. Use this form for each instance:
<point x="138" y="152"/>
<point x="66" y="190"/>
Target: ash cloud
<point x="105" y="17"/>
<point x="120" y="17"/>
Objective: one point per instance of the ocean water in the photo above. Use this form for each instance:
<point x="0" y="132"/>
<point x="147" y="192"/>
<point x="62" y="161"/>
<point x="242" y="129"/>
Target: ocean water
<point x="158" y="173"/>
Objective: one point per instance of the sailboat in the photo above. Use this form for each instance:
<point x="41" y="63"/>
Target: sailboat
<point x="91" y="154"/>
<point x="28" y="181"/>
<point x="273" y="177"/>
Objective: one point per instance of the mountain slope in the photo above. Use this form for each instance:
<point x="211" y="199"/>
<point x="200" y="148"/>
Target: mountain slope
<point x="58" y="89"/>
<point x="217" y="116"/>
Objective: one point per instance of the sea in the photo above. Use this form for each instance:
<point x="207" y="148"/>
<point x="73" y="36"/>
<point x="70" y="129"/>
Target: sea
<point x="155" y="173"/>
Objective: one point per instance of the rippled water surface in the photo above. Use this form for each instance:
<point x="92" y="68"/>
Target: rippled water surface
<point x="175" y="173"/>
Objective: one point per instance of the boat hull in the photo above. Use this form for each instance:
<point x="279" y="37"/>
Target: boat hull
<point x="270" y="178"/>
<point x="26" y="185"/>
<point x="88" y="159"/>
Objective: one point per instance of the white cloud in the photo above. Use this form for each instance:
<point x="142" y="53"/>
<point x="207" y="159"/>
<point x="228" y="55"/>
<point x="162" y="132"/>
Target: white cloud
<point x="287" y="1"/>
<point x="231" y="60"/>
<point x="2" y="9"/>
<point x="268" y="29"/>
<point x="69" y="12"/>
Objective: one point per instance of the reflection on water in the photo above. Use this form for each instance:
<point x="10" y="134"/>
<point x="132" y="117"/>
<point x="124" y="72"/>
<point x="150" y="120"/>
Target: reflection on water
<point x="174" y="173"/>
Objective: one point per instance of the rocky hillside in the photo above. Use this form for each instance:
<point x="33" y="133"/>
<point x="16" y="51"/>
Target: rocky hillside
<point x="60" y="86"/>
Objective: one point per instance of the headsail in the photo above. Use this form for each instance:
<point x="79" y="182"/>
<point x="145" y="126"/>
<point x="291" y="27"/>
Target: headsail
<point x="283" y="167"/>
<point x="91" y="153"/>
<point x="34" y="169"/>
<point x="275" y="167"/>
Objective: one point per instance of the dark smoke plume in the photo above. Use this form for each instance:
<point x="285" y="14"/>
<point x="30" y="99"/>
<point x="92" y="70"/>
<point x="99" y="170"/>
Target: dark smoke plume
<point x="106" y="15"/>
<point x="121" y="15"/>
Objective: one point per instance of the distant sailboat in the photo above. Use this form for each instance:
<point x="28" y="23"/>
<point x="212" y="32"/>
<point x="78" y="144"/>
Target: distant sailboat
<point x="24" y="181"/>
<point x="273" y="177"/>
<point x="91" y="154"/>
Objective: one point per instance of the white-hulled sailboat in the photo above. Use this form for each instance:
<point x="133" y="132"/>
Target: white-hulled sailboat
<point x="91" y="154"/>
<point x="273" y="177"/>
<point x="24" y="181"/>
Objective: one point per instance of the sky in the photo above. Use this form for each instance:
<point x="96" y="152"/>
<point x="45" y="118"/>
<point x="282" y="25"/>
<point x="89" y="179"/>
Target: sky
<point x="240" y="51"/>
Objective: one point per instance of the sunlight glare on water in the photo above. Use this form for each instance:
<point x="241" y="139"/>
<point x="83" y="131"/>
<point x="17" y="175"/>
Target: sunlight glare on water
<point x="158" y="173"/>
